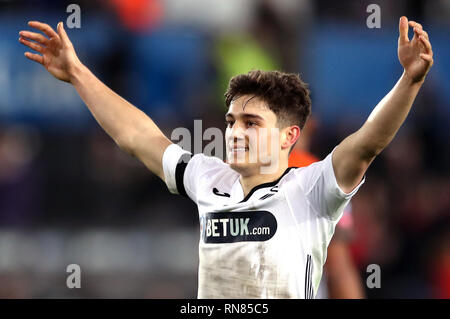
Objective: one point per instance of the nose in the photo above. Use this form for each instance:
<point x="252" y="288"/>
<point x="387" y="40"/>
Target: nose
<point x="235" y="135"/>
<point x="238" y="132"/>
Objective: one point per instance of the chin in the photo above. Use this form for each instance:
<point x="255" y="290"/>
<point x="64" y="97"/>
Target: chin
<point x="241" y="163"/>
<point x="244" y="168"/>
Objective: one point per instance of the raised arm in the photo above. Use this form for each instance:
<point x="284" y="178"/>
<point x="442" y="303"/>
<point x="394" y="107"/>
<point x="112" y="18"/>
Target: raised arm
<point x="129" y="127"/>
<point x="354" y="154"/>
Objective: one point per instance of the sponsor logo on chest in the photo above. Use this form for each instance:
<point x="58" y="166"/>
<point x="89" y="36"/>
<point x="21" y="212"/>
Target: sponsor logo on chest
<point x="230" y="227"/>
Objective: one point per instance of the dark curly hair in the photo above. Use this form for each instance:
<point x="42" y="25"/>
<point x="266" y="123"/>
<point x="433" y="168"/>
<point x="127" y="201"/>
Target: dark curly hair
<point x="285" y="94"/>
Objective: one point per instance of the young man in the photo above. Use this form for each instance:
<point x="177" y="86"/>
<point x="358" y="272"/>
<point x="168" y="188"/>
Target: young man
<point x="264" y="232"/>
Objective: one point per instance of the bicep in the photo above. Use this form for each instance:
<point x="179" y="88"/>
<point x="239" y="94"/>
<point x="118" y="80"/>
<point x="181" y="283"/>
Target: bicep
<point x="149" y="149"/>
<point x="350" y="163"/>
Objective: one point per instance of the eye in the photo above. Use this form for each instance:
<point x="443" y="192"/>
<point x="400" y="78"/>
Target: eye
<point x="251" y="124"/>
<point x="229" y="123"/>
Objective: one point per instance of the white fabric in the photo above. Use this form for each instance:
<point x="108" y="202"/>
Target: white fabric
<point x="306" y="203"/>
<point x="170" y="159"/>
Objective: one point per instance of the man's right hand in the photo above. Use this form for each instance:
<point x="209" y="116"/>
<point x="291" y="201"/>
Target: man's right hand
<point x="57" y="54"/>
<point x="131" y="129"/>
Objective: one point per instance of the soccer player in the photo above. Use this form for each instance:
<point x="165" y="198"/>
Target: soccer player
<point x="264" y="231"/>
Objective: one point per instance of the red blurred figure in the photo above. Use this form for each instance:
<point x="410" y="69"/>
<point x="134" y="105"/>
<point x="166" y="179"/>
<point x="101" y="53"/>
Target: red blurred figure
<point x="138" y="15"/>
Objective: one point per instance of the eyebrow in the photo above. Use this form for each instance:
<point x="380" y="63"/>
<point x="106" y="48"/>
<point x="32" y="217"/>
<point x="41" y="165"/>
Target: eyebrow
<point x="246" y="116"/>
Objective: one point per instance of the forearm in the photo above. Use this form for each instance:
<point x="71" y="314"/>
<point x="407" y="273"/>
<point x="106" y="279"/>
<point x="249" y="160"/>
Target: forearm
<point x="387" y="117"/>
<point x="343" y="279"/>
<point x="354" y="154"/>
<point x="129" y="127"/>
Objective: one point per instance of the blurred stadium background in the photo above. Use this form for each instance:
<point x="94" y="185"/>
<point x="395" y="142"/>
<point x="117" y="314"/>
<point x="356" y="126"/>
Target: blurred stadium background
<point x="69" y="195"/>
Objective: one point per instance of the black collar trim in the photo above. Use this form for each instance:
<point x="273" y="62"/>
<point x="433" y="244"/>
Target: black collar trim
<point x="269" y="184"/>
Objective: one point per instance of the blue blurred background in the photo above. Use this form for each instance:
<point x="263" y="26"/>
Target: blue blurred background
<point x="69" y="195"/>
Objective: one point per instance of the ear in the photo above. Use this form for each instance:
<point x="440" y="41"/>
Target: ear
<point x="290" y="135"/>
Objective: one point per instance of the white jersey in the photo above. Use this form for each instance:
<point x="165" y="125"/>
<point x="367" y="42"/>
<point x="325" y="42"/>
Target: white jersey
<point x="271" y="243"/>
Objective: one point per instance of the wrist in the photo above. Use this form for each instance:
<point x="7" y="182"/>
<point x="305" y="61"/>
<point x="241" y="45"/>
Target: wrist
<point x="412" y="81"/>
<point x="75" y="71"/>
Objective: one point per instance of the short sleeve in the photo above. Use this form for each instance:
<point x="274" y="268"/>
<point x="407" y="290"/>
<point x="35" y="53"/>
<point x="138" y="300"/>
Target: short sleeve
<point x="174" y="163"/>
<point x="322" y="190"/>
<point x="184" y="172"/>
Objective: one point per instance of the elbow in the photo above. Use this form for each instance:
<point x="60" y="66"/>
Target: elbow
<point x="370" y="146"/>
<point x="368" y="152"/>
<point x="125" y="143"/>
<point x="372" y="151"/>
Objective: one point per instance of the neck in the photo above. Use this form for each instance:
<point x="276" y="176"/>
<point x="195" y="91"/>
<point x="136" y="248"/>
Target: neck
<point x="250" y="181"/>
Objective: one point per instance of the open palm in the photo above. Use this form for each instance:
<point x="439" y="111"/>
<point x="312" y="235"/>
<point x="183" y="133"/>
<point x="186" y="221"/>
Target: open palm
<point x="57" y="54"/>
<point x="416" y="56"/>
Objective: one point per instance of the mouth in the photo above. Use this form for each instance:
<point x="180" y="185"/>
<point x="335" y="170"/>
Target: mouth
<point x="239" y="149"/>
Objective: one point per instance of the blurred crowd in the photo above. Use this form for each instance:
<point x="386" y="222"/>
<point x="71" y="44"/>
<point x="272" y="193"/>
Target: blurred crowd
<point x="68" y="194"/>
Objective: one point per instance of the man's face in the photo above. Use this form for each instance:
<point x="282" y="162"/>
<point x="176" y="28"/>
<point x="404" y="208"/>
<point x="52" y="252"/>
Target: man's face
<point x="252" y="136"/>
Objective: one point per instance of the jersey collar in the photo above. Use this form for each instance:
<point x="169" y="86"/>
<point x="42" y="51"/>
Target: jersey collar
<point x="238" y="192"/>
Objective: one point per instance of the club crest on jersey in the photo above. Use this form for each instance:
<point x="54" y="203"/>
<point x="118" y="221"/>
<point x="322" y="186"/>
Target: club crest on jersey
<point x="231" y="227"/>
<point x="216" y="192"/>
